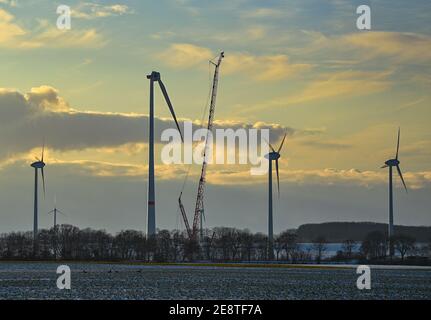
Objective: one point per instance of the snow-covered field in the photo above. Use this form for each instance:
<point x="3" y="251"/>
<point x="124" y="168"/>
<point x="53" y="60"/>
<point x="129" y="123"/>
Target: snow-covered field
<point x="105" y="281"/>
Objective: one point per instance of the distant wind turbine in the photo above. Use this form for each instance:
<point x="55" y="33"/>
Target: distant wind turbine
<point x="272" y="156"/>
<point x="38" y="165"/>
<point x="54" y="213"/>
<point x="390" y="164"/>
<point x="151" y="213"/>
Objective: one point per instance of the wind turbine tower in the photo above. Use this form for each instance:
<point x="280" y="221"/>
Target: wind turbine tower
<point x="151" y="208"/>
<point x="272" y="156"/>
<point x="38" y="165"/>
<point x="391" y="163"/>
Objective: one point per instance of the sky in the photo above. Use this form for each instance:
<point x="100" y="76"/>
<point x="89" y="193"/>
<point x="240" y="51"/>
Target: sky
<point x="299" y="66"/>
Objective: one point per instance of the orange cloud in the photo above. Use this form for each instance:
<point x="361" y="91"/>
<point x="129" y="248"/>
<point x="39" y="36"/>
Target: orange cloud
<point x="184" y="55"/>
<point x="14" y="36"/>
<point x="260" y="68"/>
<point x="399" y="45"/>
<point x="8" y="29"/>
<point x="345" y="83"/>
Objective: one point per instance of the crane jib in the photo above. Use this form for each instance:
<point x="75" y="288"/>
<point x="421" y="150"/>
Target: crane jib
<point x="200" y="194"/>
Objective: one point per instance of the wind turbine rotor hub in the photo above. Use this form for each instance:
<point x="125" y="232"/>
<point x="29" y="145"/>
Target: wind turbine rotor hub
<point x="38" y="165"/>
<point x="155" y="76"/>
<point x="392" y="162"/>
<point x="272" y="156"/>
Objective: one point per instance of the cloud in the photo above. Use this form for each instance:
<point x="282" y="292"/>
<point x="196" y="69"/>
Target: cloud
<point x="256" y="32"/>
<point x="418" y="149"/>
<point x="26" y="118"/>
<point x="263" y="68"/>
<point x="325" y="177"/>
<point x="262" y="13"/>
<point x="327" y="145"/>
<point x="188" y="7"/>
<point x="14" y="36"/>
<point x="260" y="68"/>
<point x="47" y="98"/>
<point x="184" y="55"/>
<point x="416" y="180"/>
<point x="10" y="3"/>
<point x="109" y="169"/>
<point x="401" y="46"/>
<point x="162" y="35"/>
<point x="94" y="10"/>
<point x="236" y="175"/>
<point x="345" y="83"/>
<point x="55" y="38"/>
<point x="330" y="86"/>
<point x="382" y="47"/>
<point x="8" y="29"/>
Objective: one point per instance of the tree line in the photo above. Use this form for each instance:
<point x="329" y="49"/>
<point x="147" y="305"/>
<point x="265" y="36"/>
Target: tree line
<point x="222" y="244"/>
<point x="337" y="232"/>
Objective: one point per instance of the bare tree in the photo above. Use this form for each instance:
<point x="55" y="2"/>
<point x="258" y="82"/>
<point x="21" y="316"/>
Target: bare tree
<point x="348" y="246"/>
<point x="247" y="244"/>
<point x="404" y="244"/>
<point x="177" y="244"/>
<point x="288" y="241"/>
<point x="219" y="244"/>
<point x="320" y="247"/>
<point x="375" y="245"/>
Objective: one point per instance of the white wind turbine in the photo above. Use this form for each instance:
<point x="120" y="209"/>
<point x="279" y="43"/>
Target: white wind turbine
<point x="272" y="156"/>
<point x="151" y="209"/>
<point x="391" y="163"/>
<point x="38" y="165"/>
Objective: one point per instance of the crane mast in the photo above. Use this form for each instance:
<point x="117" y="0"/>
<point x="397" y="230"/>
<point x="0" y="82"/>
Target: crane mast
<point x="199" y="208"/>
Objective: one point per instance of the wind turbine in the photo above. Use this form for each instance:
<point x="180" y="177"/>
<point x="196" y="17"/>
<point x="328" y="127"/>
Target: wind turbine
<point x="38" y="165"/>
<point x="151" y="209"/>
<point x="391" y="163"/>
<point x="54" y="212"/>
<point x="272" y="156"/>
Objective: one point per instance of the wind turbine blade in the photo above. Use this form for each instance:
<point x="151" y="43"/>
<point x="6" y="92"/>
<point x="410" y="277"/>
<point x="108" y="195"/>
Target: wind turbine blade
<point x="43" y="149"/>
<point x="60" y="212"/>
<point x="401" y="176"/>
<point x="171" y="109"/>
<point x="272" y="148"/>
<point x="43" y="182"/>
<point x="51" y="212"/>
<point x="282" y="142"/>
<point x="383" y="167"/>
<point x="278" y="177"/>
<point x="398" y="143"/>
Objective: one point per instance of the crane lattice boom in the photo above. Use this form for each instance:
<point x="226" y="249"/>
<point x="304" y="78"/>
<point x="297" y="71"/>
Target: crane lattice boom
<point x="199" y="208"/>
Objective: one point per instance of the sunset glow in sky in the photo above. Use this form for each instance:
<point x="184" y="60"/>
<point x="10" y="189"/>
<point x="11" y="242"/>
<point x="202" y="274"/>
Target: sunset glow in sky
<point x="296" y="66"/>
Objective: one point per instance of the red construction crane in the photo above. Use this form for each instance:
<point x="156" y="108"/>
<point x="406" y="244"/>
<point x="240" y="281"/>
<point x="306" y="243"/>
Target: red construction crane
<point x="199" y="209"/>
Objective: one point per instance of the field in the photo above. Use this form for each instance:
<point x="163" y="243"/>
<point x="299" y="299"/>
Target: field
<point x="120" y="281"/>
